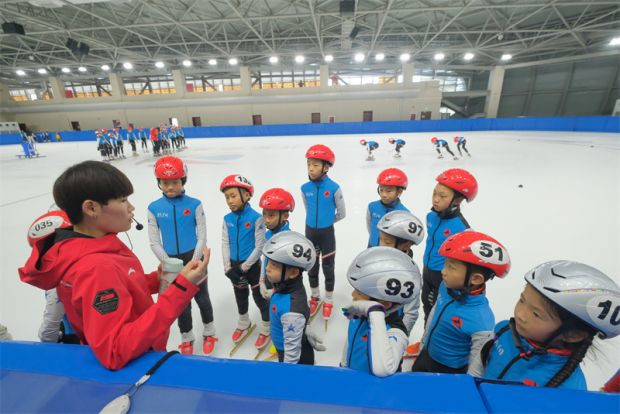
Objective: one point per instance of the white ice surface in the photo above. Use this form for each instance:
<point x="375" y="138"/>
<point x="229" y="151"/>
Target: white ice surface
<point x="568" y="208"/>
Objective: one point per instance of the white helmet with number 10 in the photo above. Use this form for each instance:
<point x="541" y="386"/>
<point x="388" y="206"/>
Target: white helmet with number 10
<point x="385" y="273"/>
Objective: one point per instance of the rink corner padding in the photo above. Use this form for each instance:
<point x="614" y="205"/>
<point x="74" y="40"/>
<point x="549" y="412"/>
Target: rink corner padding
<point x="36" y="377"/>
<point x="567" y="123"/>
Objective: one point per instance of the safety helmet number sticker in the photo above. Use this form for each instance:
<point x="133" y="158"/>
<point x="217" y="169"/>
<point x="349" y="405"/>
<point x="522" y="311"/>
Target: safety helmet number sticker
<point x="490" y="252"/>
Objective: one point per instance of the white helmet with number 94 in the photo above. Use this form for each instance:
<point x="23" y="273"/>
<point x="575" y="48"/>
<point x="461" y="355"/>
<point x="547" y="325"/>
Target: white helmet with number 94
<point x="292" y="249"/>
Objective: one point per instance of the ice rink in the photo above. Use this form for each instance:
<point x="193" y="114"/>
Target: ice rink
<point x="567" y="208"/>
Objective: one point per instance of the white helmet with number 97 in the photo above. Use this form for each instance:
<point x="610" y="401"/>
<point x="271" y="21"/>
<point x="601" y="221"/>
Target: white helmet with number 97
<point x="402" y="225"/>
<point x="385" y="273"/>
<point x="292" y="249"/>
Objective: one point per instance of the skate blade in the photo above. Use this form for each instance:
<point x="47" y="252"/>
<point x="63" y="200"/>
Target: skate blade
<point x="272" y="357"/>
<point x="242" y="340"/>
<point x="318" y="308"/>
<point x="262" y="350"/>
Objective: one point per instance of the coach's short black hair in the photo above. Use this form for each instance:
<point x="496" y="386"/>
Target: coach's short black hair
<point x="89" y="180"/>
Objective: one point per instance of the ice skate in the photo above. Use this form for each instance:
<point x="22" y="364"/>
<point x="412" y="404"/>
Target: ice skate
<point x="208" y="344"/>
<point x="314" y="304"/>
<point x="327" y="312"/>
<point x="240" y="336"/>
<point x="186" y="348"/>
<point x="439" y="156"/>
<point x="412" y="351"/>
<point x="397" y="155"/>
<point x="456" y="158"/>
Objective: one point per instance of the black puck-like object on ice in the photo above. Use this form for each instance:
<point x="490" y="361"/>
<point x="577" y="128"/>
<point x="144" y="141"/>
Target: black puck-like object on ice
<point x="520" y="185"/>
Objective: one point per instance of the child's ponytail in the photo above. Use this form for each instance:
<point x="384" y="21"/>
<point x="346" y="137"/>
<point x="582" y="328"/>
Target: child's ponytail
<point x="579" y="352"/>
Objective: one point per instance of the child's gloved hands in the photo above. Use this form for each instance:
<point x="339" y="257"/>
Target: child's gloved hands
<point x="361" y="309"/>
<point x="236" y="276"/>
<point x="315" y="338"/>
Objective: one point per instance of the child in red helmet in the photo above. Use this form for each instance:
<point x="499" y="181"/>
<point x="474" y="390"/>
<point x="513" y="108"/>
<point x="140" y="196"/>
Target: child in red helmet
<point x="460" y="143"/>
<point x="243" y="237"/>
<point x="391" y="184"/>
<point x="444" y="220"/>
<point x="442" y="143"/>
<point x="461" y="321"/>
<point x="178" y="229"/>
<point x="324" y="204"/>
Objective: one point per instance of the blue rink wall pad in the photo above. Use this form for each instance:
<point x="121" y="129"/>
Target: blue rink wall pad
<point x="573" y="124"/>
<point x="37" y="377"/>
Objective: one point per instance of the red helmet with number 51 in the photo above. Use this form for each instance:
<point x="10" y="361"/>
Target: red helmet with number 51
<point x="321" y="152"/>
<point x="277" y="199"/>
<point x="460" y="180"/>
<point x="236" y="180"/>
<point x="478" y="249"/>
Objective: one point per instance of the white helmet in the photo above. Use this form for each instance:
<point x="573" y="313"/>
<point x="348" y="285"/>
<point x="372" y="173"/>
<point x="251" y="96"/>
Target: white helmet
<point x="292" y="249"/>
<point x="581" y="290"/>
<point x="385" y="273"/>
<point x="402" y="224"/>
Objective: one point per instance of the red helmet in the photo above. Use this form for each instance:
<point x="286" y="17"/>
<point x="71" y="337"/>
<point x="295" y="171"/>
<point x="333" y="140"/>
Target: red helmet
<point x="171" y="168"/>
<point x="394" y="177"/>
<point x="434" y="140"/>
<point x="104" y="129"/>
<point x="236" y="180"/>
<point x="277" y="199"/>
<point x="363" y="141"/>
<point x="391" y="140"/>
<point x="461" y="181"/>
<point x="456" y="139"/>
<point x="479" y="249"/>
<point x="46" y="225"/>
<point x="321" y="152"/>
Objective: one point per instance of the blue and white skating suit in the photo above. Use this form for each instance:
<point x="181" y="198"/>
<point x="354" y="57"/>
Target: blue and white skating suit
<point x="507" y="362"/>
<point x="438" y="229"/>
<point x="101" y="140"/>
<point x="441" y="143"/>
<point x="176" y="226"/>
<point x="376" y="210"/>
<point x="457" y="330"/>
<point x="372" y="145"/>
<point x="375" y="344"/>
<point x="180" y="132"/>
<point x="461" y="139"/>
<point x="399" y="142"/>
<point x="53" y="316"/>
<point x="172" y="133"/>
<point x="288" y="314"/>
<point x="243" y="237"/>
<point x="324" y="203"/>
<point x="131" y="135"/>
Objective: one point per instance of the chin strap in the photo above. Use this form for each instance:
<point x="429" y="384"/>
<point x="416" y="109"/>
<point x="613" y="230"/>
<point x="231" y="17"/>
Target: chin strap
<point x="450" y="210"/>
<point x="461" y="294"/>
<point x="537" y="349"/>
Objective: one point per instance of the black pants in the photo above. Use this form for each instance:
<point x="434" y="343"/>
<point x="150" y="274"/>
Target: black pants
<point x="324" y="241"/>
<point x="446" y="147"/>
<point x="155" y="147"/>
<point x="201" y="298"/>
<point x="143" y="140"/>
<point x="242" y="294"/>
<point x="307" y="353"/>
<point x="460" y="145"/>
<point x="182" y="140"/>
<point x="431" y="279"/>
<point x="424" y="363"/>
<point x="133" y="145"/>
<point x="398" y="147"/>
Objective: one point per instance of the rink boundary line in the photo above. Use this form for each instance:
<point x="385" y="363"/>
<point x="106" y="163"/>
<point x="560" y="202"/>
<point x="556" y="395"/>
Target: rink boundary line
<point x="24" y="199"/>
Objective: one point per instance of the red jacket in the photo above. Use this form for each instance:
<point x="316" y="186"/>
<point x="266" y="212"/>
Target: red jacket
<point x="106" y="295"/>
<point x="154" y="134"/>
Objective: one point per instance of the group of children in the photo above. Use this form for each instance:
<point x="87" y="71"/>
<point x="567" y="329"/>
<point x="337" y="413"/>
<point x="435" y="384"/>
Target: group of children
<point x="164" y="139"/>
<point x="563" y="307"/>
<point x="399" y="143"/>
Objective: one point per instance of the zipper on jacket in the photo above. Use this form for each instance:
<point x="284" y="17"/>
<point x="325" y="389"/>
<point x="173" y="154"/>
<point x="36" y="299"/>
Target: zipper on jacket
<point x="430" y="335"/>
<point x="176" y="231"/>
<point x="352" y="343"/>
<point x="432" y="243"/>
<point x="317" y="206"/>
<point x="238" y="231"/>
<point x="510" y="364"/>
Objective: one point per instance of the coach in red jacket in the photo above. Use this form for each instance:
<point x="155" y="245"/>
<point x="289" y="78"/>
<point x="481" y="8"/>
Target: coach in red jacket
<point x="100" y="282"/>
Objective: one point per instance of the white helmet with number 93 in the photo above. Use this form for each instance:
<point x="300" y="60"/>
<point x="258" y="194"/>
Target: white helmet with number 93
<point x="385" y="273"/>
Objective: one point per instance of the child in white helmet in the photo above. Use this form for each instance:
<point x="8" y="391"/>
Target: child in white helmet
<point x="383" y="279"/>
<point x="563" y="307"/>
<point x="289" y="254"/>
<point x="402" y="230"/>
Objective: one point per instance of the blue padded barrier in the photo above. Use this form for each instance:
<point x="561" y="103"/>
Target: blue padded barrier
<point x="576" y="124"/>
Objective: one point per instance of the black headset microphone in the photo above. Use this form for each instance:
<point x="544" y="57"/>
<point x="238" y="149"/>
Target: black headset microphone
<point x="138" y="225"/>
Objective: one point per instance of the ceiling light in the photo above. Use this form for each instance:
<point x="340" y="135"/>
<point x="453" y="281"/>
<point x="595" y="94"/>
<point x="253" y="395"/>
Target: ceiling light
<point x="127" y="65"/>
<point x="405" y="57"/>
<point x="615" y="41"/>
<point x="20" y="72"/>
<point x="65" y="70"/>
<point x="233" y="61"/>
<point x="299" y="59"/>
<point x="359" y="57"/>
<point x="212" y="62"/>
<point x="159" y="64"/>
<point x="328" y="58"/>
<point x="42" y="71"/>
<point x="379" y="57"/>
<point x="273" y="59"/>
<point x="82" y="69"/>
<point x="105" y="67"/>
<point x="439" y="56"/>
<point x="187" y="63"/>
<point x="506" y="56"/>
<point x="468" y="56"/>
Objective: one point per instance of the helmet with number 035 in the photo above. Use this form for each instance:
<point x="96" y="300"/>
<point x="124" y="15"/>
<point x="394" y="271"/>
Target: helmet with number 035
<point x="583" y="291"/>
<point x="321" y="152"/>
<point x="459" y="180"/>
<point x="385" y="273"/>
<point x="277" y="199"/>
<point x="46" y="225"/>
<point x="292" y="249"/>
<point x="391" y="140"/>
<point x="402" y="224"/>
<point x="236" y="180"/>
<point x="170" y="168"/>
<point x="393" y="177"/>
<point x="478" y="249"/>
